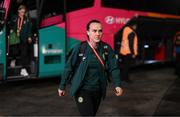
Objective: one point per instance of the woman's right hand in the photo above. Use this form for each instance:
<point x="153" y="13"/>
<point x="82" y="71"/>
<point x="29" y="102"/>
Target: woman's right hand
<point x="61" y="92"/>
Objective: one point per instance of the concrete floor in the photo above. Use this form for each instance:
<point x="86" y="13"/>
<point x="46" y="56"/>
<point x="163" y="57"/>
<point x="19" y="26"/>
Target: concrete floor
<point x="153" y="92"/>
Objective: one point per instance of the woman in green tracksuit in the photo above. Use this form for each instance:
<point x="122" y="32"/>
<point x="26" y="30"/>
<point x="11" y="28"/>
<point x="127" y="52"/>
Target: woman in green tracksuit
<point x="89" y="77"/>
<point x="21" y="25"/>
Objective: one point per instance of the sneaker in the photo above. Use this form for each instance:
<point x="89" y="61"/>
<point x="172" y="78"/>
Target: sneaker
<point x="24" y="72"/>
<point x="13" y="63"/>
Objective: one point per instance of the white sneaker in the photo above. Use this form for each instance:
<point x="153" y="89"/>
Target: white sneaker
<point x="24" y="72"/>
<point x="13" y="63"/>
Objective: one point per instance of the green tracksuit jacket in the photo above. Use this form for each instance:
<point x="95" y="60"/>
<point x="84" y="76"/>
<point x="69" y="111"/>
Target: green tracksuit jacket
<point x="80" y="71"/>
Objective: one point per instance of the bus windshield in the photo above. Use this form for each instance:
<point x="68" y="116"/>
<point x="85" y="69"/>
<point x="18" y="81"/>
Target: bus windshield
<point x="160" y="6"/>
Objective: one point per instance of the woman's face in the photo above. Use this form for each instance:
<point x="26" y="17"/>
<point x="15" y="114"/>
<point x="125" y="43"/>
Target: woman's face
<point x="95" y="32"/>
<point x="21" y="12"/>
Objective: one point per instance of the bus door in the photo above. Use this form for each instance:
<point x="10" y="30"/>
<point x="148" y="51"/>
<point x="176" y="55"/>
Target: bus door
<point x="51" y="38"/>
<point x="2" y="45"/>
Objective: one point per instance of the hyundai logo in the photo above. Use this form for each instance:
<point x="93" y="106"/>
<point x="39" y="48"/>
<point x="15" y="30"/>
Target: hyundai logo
<point x="109" y="19"/>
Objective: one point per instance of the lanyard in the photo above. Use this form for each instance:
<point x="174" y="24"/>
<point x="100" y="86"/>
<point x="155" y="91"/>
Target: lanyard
<point x="20" y="21"/>
<point x="95" y="52"/>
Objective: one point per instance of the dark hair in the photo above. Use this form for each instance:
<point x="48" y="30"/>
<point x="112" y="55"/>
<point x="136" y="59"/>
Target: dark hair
<point x="90" y="22"/>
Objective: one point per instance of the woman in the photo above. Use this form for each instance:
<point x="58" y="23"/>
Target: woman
<point x="89" y="80"/>
<point x="21" y="25"/>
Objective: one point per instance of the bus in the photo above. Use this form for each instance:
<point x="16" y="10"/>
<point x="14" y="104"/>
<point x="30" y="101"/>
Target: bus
<point x="61" y="24"/>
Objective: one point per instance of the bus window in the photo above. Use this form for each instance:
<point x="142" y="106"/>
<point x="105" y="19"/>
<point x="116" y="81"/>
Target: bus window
<point x="73" y="5"/>
<point x="55" y="7"/>
<point x="2" y="14"/>
<point x="32" y="10"/>
<point x="123" y="4"/>
<point x="54" y="14"/>
<point x="160" y="6"/>
<point x="163" y="6"/>
<point x="32" y="7"/>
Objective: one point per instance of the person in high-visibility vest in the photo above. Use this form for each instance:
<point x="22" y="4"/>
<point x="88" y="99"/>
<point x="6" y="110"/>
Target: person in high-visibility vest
<point x="128" y="50"/>
<point x="177" y="53"/>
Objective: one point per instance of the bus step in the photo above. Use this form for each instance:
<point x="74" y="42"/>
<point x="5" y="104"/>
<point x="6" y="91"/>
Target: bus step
<point x="22" y="77"/>
<point x="15" y="67"/>
<point x="15" y="77"/>
<point x="14" y="71"/>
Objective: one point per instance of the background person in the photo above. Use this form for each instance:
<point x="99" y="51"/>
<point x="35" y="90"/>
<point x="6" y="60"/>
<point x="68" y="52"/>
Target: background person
<point x="21" y="25"/>
<point x="128" y="50"/>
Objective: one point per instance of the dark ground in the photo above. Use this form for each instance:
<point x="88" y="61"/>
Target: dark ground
<point x="153" y="92"/>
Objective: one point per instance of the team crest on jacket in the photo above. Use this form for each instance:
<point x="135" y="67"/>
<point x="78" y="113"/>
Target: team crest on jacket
<point x="80" y="99"/>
